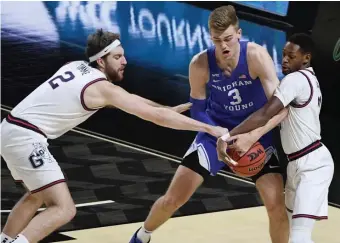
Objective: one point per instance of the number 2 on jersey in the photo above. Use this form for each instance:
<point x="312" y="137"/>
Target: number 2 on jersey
<point x="68" y="76"/>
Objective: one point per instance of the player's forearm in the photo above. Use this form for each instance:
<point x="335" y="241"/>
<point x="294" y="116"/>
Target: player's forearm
<point x="149" y="102"/>
<point x="256" y="120"/>
<point x="172" y="119"/>
<point x="272" y="123"/>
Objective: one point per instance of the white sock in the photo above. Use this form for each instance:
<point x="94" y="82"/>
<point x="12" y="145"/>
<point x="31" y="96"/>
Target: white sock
<point x="301" y="230"/>
<point x="144" y="235"/>
<point x="5" y="238"/>
<point x="20" y="239"/>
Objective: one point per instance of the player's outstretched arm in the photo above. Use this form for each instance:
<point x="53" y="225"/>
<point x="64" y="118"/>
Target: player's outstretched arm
<point x="271" y="124"/>
<point x="178" y="108"/>
<point x="288" y="90"/>
<point x="106" y="94"/>
<point x="259" y="118"/>
<point x="254" y="121"/>
<point x="243" y="142"/>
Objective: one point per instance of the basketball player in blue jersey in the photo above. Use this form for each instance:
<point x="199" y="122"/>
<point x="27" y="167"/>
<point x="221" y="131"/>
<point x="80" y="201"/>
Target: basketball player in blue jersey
<point x="240" y="77"/>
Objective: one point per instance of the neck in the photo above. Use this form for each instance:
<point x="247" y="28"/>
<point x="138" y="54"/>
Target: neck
<point x="102" y="70"/>
<point x="306" y="66"/>
<point x="231" y="62"/>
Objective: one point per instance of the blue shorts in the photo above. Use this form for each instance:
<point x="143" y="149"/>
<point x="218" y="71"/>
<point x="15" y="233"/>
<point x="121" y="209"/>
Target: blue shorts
<point x="204" y="146"/>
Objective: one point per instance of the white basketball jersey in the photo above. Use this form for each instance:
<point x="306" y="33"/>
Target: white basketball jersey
<point x="57" y="105"/>
<point x="301" y="92"/>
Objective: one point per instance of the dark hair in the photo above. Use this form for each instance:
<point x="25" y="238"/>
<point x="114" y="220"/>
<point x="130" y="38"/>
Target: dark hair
<point x="221" y="18"/>
<point x="305" y="42"/>
<point x="98" y="41"/>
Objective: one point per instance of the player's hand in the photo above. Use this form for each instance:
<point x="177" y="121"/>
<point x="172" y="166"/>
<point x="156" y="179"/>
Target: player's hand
<point x="241" y="142"/>
<point x="181" y="108"/>
<point x="217" y="131"/>
<point x="222" y="154"/>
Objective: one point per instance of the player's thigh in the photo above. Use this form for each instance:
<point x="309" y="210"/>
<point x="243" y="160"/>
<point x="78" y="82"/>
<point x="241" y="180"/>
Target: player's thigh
<point x="271" y="189"/>
<point x="312" y="191"/>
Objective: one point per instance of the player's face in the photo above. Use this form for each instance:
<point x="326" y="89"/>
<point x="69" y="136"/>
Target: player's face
<point x="226" y="42"/>
<point x="293" y="59"/>
<point x="115" y="63"/>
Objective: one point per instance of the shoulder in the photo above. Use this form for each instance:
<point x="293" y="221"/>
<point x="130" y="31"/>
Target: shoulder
<point x="199" y="67"/>
<point x="255" y="52"/>
<point x="200" y="60"/>
<point x="294" y="80"/>
<point x="292" y="76"/>
<point x="261" y="64"/>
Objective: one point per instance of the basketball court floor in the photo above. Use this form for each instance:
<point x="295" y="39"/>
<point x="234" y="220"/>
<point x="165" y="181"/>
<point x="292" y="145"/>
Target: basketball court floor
<point x="115" y="183"/>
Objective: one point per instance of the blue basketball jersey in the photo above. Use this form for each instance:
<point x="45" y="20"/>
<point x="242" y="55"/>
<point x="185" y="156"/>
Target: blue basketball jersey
<point x="232" y="99"/>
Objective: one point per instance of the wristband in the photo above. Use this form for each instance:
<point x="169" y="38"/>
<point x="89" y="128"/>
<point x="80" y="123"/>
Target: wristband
<point x="225" y="136"/>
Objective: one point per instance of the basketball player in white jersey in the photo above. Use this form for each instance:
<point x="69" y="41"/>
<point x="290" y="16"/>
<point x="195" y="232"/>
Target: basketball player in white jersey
<point x="74" y="93"/>
<point x="310" y="169"/>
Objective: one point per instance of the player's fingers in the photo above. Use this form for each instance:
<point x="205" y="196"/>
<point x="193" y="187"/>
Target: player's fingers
<point x="233" y="162"/>
<point x="222" y="154"/>
<point x="186" y="105"/>
<point x="233" y="146"/>
<point x="232" y="138"/>
<point x="230" y="165"/>
<point x="236" y="146"/>
<point x="229" y="160"/>
<point x="242" y="153"/>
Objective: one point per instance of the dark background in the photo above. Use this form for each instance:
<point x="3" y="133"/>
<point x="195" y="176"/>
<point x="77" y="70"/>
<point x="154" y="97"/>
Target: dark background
<point x="36" y="41"/>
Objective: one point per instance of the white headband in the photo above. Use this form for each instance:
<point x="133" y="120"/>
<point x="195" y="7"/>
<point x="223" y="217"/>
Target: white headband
<point x="105" y="50"/>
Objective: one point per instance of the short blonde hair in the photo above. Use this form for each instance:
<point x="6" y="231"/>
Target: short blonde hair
<point x="221" y="18"/>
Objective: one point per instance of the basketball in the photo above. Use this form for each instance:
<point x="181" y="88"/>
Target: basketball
<point x="251" y="162"/>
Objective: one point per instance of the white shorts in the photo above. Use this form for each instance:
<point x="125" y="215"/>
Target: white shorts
<point x="27" y="157"/>
<point x="308" y="181"/>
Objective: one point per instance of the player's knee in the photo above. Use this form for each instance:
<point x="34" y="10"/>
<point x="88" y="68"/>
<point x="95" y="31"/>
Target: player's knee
<point x="172" y="202"/>
<point x="67" y="212"/>
<point x="276" y="208"/>
<point x="65" y="209"/>
<point x="276" y="211"/>
<point x="68" y="208"/>
<point x="71" y="212"/>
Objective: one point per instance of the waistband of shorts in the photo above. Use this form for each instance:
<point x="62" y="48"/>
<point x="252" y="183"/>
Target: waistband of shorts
<point x="310" y="148"/>
<point x="25" y="124"/>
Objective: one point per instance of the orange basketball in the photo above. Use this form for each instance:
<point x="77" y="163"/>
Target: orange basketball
<point x="251" y="162"/>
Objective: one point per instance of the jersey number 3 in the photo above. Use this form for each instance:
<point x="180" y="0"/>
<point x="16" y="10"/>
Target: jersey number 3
<point x="235" y="93"/>
<point x="68" y="76"/>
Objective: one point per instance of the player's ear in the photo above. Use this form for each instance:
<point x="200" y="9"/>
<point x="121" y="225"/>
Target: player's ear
<point x="101" y="63"/>
<point x="307" y="58"/>
<point x="239" y="34"/>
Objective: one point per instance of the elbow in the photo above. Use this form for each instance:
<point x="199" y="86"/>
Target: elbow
<point x="159" y="116"/>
